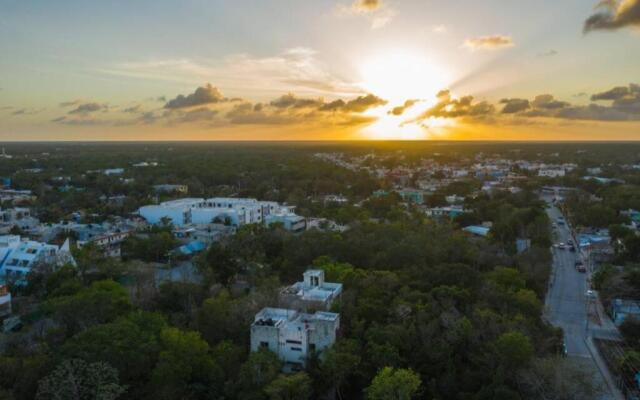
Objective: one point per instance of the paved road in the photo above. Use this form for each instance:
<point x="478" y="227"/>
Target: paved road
<point x="566" y="306"/>
<point x="566" y="301"/>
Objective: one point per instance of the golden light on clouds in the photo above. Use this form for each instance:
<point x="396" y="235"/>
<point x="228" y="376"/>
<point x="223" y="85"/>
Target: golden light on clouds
<point x="410" y="81"/>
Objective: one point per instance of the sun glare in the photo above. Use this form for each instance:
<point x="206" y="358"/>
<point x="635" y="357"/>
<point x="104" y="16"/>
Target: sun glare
<point x="399" y="76"/>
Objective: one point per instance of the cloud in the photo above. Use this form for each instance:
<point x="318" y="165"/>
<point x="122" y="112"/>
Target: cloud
<point x="203" y="95"/>
<point x="363" y="103"/>
<point x="548" y="102"/>
<point x="399" y="110"/>
<point x="191" y="116"/>
<point x="512" y="106"/>
<point x="133" y="109"/>
<point x="290" y="100"/>
<point x="613" y="15"/>
<point x="25" y="111"/>
<point x="366" y="5"/>
<point x="617" y="93"/>
<point x="624" y="106"/>
<point x="378" y="12"/>
<point x="88" y="108"/>
<point x="70" y="103"/>
<point x="358" y="105"/>
<point x="450" y="107"/>
<point x="494" y="42"/>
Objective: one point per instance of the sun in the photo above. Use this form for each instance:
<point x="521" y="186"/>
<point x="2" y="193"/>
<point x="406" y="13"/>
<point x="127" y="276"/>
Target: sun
<point x="401" y="75"/>
<point x="397" y="77"/>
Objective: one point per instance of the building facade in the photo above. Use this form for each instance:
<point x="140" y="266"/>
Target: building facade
<point x="293" y="335"/>
<point x="229" y="211"/>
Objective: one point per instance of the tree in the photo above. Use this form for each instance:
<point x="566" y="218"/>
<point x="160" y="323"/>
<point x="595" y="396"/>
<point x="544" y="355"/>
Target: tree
<point x="257" y="373"/>
<point x="131" y="344"/>
<point x="216" y="321"/>
<point x="185" y="369"/>
<point x="78" y="380"/>
<point x="218" y="264"/>
<point x="558" y="379"/>
<point x="102" y="302"/>
<point x="394" y="384"/>
<point x="340" y="362"/>
<point x="290" y="387"/>
<point x="514" y="349"/>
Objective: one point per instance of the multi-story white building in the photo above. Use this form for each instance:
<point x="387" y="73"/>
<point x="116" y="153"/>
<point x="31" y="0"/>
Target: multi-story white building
<point x="293" y="335"/>
<point x="230" y="211"/>
<point x="18" y="256"/>
<point x="313" y="293"/>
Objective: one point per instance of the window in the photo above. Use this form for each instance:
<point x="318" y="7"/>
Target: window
<point x="264" y="345"/>
<point x="312" y="347"/>
<point x="296" y="349"/>
<point x="294" y="341"/>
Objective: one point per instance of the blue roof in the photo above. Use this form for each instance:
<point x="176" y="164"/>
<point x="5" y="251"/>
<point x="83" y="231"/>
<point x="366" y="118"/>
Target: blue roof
<point x="192" y="247"/>
<point x="477" y="230"/>
<point x="586" y="240"/>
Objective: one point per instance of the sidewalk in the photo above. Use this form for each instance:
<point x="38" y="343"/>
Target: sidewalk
<point x="604" y="370"/>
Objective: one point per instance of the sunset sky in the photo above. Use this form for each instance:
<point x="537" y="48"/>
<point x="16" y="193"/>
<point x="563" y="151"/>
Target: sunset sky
<point x="321" y="69"/>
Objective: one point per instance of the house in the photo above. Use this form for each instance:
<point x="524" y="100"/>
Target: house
<point x="622" y="309"/>
<point x="335" y="199"/>
<point x="18" y="216"/>
<point x="113" y="171"/>
<point x="293" y="335"/>
<point x="5" y="301"/>
<point x="449" y="212"/>
<point x="289" y="220"/>
<point x="313" y="293"/>
<point x="16" y="196"/>
<point x="109" y="242"/>
<point x="19" y="256"/>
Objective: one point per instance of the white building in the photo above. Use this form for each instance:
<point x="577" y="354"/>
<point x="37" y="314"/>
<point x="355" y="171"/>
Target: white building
<point x="289" y="220"/>
<point x="293" y="335"/>
<point x="113" y="171"/>
<point x="18" y="256"/>
<point x="313" y="293"/>
<point x="230" y="211"/>
<point x="552" y="172"/>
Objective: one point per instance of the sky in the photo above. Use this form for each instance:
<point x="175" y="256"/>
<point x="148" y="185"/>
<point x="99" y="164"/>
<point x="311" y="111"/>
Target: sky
<point x="319" y="70"/>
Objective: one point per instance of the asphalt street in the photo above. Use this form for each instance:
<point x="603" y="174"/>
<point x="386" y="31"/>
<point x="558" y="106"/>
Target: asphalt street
<point x="567" y="307"/>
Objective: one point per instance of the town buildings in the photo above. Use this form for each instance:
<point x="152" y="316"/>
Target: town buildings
<point x="19" y="256"/>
